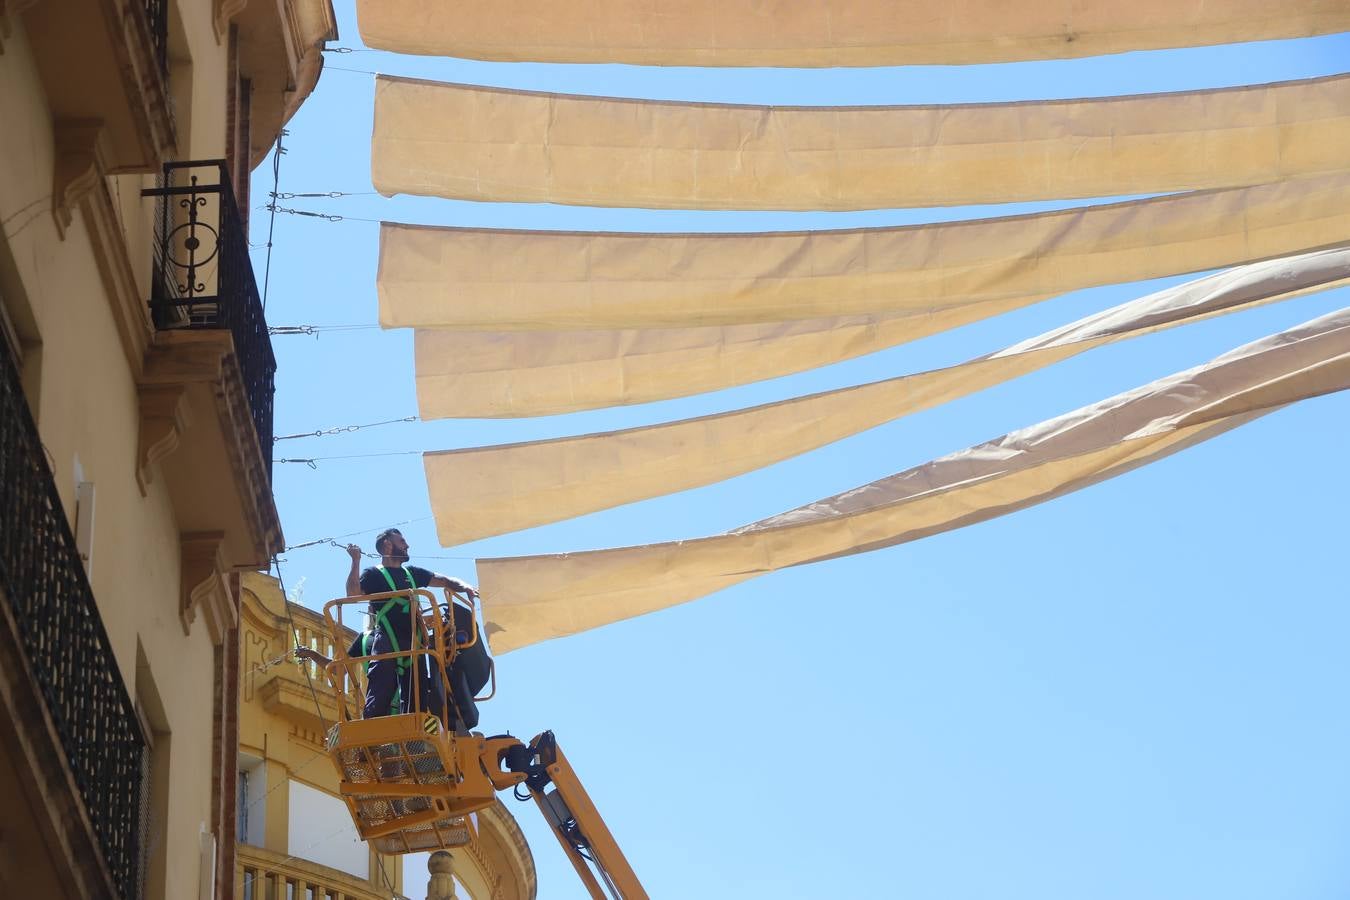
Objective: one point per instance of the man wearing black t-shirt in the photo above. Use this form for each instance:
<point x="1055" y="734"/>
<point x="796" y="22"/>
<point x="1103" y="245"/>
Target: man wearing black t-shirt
<point x="389" y="681"/>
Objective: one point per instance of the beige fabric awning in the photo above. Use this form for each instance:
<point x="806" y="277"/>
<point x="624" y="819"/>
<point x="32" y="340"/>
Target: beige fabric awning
<point x="506" y="374"/>
<point x="536" y="598"/>
<point x="502" y="280"/>
<point x="475" y="143"/>
<point x="483" y="491"/>
<point x="800" y="33"/>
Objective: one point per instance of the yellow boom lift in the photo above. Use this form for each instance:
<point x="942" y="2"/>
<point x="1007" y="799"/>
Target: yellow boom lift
<point x="410" y="779"/>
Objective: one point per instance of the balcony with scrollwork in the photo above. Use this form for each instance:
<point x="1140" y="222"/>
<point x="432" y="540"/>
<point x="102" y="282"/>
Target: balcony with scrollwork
<point x="207" y="386"/>
<point x="81" y="735"/>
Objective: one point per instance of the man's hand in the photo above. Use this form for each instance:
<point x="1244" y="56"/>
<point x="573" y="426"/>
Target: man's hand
<point x="305" y="654"/>
<point x="354" y="576"/>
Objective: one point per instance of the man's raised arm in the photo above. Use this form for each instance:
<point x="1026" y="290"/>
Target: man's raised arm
<point x="354" y="576"/>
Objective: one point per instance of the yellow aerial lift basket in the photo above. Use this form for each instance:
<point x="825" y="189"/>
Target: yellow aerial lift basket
<point x="409" y="779"/>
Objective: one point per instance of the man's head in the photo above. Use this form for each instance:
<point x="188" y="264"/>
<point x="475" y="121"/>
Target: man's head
<point x="391" y="545"/>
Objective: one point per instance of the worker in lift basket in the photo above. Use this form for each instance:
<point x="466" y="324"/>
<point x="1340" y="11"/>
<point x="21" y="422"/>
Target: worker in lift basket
<point x="389" y="681"/>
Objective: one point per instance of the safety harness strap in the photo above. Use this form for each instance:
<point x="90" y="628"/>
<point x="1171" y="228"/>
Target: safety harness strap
<point x="381" y="617"/>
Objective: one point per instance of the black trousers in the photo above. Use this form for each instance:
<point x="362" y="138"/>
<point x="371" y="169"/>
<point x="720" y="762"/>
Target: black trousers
<point x="389" y="683"/>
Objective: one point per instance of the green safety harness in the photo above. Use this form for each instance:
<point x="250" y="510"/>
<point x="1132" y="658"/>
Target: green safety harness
<point x="404" y="605"/>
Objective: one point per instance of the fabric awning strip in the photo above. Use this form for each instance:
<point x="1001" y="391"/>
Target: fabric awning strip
<point x="803" y="33"/>
<point x="487" y="374"/>
<point x="484" y="491"/>
<point x="491" y="144"/>
<point x="536" y="598"/>
<point x="499" y="280"/>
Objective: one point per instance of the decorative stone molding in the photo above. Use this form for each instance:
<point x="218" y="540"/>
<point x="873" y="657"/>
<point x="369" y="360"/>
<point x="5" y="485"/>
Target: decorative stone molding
<point x="164" y="417"/>
<point x="79" y="167"/>
<point x="204" y="585"/>
<point x="224" y="11"/>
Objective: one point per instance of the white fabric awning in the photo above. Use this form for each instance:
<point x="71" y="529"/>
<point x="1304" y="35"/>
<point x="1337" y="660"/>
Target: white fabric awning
<point x="536" y="598"/>
<point x="500" y="280"/>
<point x="483" y="491"/>
<point x="826" y="32"/>
<point x="491" y="144"/>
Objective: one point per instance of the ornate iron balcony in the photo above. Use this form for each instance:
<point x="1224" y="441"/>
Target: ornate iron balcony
<point x="204" y="278"/>
<point x="61" y="636"/>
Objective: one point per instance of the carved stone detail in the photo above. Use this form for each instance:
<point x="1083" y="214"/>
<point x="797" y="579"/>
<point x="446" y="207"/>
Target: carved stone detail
<point x="225" y="10"/>
<point x="79" y="167"/>
<point x="164" y="418"/>
<point x="204" y="584"/>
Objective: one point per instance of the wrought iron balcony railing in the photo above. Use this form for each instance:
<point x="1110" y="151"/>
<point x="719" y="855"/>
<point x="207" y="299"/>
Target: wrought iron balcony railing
<point x="62" y="637"/>
<point x="204" y="278"/>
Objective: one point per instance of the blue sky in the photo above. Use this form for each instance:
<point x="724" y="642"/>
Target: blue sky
<point x="1134" y="691"/>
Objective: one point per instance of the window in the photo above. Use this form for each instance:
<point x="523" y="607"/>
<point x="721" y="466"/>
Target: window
<point x="155" y="800"/>
<point x="249" y="829"/>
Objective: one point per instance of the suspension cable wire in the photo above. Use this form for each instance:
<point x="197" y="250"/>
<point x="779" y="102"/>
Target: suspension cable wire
<point x="291" y="195"/>
<point x="362" y="531"/>
<point x="313" y="461"/>
<point x="311" y="214"/>
<point x="316" y="330"/>
<point x="342" y="429"/>
<point x="305" y="212"/>
<point x="279" y="152"/>
<point x="332" y="542"/>
<point x="23" y="209"/>
<point x="334" y="539"/>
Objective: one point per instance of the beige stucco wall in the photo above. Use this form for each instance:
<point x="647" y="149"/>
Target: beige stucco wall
<point x="87" y="410"/>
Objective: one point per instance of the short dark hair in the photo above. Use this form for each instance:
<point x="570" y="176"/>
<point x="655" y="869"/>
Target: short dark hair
<point x="384" y="536"/>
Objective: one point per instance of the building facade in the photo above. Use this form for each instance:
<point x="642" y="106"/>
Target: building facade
<point x="296" y="837"/>
<point x="135" y="428"/>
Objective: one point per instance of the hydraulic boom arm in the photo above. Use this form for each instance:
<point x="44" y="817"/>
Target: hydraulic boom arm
<point x="574" y="819"/>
